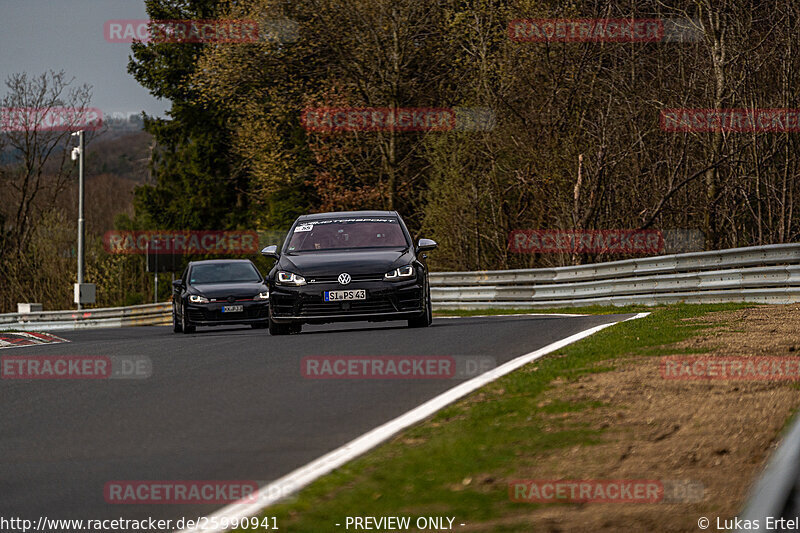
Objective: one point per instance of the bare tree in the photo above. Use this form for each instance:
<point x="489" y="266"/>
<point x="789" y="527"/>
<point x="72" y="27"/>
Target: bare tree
<point x="38" y="115"/>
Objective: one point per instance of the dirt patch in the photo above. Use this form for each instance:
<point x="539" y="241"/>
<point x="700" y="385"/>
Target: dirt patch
<point x="717" y="433"/>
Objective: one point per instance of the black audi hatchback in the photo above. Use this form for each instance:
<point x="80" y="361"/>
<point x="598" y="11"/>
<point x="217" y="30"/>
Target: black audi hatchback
<point x="219" y="292"/>
<point x="357" y="265"/>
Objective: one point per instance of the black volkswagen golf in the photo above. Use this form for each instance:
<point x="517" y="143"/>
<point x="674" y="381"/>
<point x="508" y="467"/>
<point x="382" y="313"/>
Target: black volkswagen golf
<point x="357" y="265"/>
<point x="217" y="292"/>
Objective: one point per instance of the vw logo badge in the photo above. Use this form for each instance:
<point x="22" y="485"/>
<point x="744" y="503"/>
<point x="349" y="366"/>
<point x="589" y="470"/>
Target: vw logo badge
<point x="344" y="278"/>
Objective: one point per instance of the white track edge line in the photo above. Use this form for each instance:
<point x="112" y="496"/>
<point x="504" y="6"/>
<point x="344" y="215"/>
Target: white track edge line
<point x="303" y="476"/>
<point x="514" y="314"/>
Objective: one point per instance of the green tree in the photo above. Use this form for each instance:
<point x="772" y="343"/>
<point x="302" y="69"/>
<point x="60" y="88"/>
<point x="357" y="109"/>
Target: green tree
<point x="193" y="184"/>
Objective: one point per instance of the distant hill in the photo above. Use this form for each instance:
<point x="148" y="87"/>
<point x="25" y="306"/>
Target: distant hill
<point x="116" y="162"/>
<point x="122" y="153"/>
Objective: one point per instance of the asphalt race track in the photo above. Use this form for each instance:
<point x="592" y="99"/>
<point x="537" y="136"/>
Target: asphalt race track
<point x="221" y="404"/>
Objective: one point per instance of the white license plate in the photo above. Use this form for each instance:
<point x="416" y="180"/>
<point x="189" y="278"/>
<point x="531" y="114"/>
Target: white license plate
<point x="338" y="296"/>
<point x="232" y="308"/>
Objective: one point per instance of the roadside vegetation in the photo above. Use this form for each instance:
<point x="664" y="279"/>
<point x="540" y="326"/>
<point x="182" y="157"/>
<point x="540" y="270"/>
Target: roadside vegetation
<point x="574" y="140"/>
<point x="459" y="462"/>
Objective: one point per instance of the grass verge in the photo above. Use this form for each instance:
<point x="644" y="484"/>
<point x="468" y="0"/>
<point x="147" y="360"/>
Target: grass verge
<point x="459" y="461"/>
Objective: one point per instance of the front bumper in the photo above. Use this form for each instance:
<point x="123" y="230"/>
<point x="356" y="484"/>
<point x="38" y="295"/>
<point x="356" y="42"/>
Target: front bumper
<point x="210" y="314"/>
<point x="385" y="301"/>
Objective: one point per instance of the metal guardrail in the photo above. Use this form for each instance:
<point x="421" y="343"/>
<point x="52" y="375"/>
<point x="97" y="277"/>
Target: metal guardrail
<point x="693" y="261"/>
<point x="762" y="274"/>
<point x="109" y="317"/>
<point x="777" y="492"/>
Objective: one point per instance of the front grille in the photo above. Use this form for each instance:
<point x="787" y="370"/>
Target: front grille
<point x="354" y="278"/>
<point x="383" y="301"/>
<point x="358" y="307"/>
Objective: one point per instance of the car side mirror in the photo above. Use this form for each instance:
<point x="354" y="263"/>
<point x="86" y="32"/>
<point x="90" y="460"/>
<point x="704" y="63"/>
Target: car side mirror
<point x="270" y="251"/>
<point x="425" y="245"/>
<point x="177" y="284"/>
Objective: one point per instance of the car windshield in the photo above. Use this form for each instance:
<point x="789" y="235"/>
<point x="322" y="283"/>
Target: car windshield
<point x="224" y="273"/>
<point x="336" y="234"/>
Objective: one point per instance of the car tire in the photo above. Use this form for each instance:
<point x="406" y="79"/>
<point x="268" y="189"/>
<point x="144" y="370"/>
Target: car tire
<point x="186" y="326"/>
<point x="176" y="326"/>
<point x="425" y="319"/>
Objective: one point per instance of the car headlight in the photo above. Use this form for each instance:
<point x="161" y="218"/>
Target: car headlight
<point x="197" y="299"/>
<point x="403" y="272"/>
<point x="290" y="278"/>
<point x="262" y="296"/>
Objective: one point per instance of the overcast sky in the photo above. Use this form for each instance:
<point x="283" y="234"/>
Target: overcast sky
<point x="37" y="35"/>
